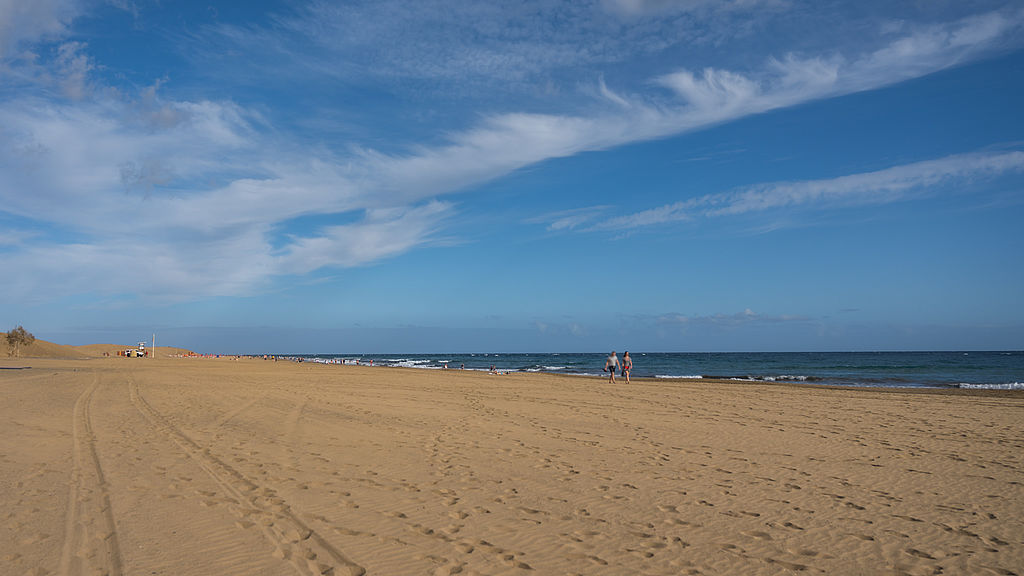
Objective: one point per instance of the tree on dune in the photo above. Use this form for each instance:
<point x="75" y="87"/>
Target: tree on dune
<point x="18" y="337"/>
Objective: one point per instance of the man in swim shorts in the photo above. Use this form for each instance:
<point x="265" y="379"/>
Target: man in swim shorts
<point x="611" y="365"/>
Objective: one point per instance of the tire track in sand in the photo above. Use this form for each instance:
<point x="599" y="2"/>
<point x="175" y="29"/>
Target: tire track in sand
<point x="291" y="538"/>
<point x="238" y="410"/>
<point x="90" y="534"/>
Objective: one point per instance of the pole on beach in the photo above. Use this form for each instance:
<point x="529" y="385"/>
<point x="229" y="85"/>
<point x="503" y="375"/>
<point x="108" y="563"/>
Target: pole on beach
<point x="154" y="345"/>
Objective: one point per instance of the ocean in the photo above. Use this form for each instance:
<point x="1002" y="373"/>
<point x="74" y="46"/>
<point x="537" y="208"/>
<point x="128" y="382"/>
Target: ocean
<point x="992" y="370"/>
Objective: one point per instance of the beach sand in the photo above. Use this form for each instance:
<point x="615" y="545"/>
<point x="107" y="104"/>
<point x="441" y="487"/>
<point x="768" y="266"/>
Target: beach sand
<point x="220" y="466"/>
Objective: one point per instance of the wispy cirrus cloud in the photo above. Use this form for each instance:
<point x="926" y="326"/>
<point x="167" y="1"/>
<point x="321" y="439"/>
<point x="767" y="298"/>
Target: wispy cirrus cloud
<point x="569" y="219"/>
<point x="890" y="185"/>
<point x="381" y="234"/>
<point x="746" y="317"/>
<point x="663" y="7"/>
<point x="721" y="95"/>
<point x="464" y="47"/>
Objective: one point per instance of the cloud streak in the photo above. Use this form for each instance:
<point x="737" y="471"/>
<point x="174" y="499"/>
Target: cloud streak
<point x="738" y="319"/>
<point x="880" y="187"/>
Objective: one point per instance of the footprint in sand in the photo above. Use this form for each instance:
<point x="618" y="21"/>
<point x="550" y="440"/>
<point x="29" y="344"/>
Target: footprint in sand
<point x="449" y="568"/>
<point x="907" y="518"/>
<point x="785" y="564"/>
<point x="919" y="554"/>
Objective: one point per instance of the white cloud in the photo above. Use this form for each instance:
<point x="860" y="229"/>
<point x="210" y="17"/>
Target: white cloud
<point x="14" y="238"/>
<point x="77" y="158"/>
<point x="929" y="48"/>
<point x="713" y="90"/>
<point x="569" y="219"/>
<point x="471" y="48"/>
<point x="722" y="95"/>
<point x="73" y="67"/>
<point x="381" y="234"/>
<point x="23" y="22"/>
<point x="644" y="7"/>
<point x="746" y="317"/>
<point x="879" y="187"/>
<point x="637" y="8"/>
<point x="156" y="269"/>
<point x="612" y="96"/>
<point x="814" y="75"/>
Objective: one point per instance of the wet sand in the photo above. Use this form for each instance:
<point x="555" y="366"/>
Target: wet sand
<point x="217" y="466"/>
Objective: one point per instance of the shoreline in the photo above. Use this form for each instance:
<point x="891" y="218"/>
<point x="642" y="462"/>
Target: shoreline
<point x="996" y="392"/>
<point x="946" y="390"/>
<point x="987" y="370"/>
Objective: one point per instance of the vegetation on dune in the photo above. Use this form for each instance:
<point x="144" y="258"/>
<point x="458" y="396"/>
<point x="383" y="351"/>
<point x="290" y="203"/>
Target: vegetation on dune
<point x="16" y="338"/>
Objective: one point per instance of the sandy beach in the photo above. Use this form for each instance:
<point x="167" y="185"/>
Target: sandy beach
<point x="219" y="466"/>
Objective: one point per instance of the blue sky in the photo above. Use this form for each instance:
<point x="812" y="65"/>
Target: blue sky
<point x="657" y="175"/>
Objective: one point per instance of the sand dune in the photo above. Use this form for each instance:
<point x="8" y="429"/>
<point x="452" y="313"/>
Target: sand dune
<point x="250" y="467"/>
<point x="44" y="349"/>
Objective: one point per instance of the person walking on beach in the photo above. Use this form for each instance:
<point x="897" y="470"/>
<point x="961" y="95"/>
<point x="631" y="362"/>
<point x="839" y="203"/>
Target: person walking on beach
<point x="611" y="365"/>
<point x="627" y="365"/>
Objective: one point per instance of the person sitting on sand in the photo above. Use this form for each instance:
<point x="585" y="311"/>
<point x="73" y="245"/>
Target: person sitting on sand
<point x="611" y="365"/>
<point x="627" y="365"/>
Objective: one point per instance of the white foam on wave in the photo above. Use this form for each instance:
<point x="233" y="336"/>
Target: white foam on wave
<point x="541" y="369"/>
<point x="784" y="378"/>
<point x="675" y="377"/>
<point x="414" y="364"/>
<point x="1007" y="386"/>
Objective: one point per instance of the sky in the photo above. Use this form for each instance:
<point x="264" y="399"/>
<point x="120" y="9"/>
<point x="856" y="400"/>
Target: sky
<point x="535" y="176"/>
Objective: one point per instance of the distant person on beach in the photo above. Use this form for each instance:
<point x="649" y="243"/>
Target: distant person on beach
<point x="611" y="366"/>
<point x="627" y="365"/>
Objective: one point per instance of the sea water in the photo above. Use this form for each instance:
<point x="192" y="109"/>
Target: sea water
<point x="993" y="370"/>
